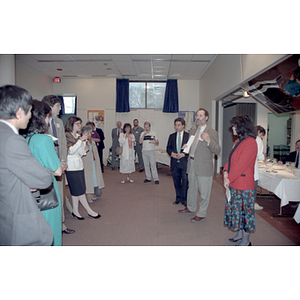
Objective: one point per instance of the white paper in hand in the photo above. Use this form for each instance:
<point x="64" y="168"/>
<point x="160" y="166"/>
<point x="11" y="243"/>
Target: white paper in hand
<point x="189" y="144"/>
<point x="228" y="195"/>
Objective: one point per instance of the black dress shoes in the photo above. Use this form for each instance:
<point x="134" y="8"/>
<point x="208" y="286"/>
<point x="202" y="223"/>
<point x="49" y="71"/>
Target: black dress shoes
<point x="79" y="218"/>
<point x="96" y="217"/>
<point x="141" y="170"/>
<point x="68" y="231"/>
<point x="176" y="202"/>
<point x="232" y="240"/>
<point x="147" y="180"/>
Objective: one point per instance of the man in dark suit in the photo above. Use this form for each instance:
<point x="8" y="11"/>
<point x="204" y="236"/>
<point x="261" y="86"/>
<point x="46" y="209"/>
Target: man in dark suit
<point x="21" y="222"/>
<point x="115" y="134"/>
<point x="101" y="147"/>
<point x="179" y="160"/>
<point x="294" y="156"/>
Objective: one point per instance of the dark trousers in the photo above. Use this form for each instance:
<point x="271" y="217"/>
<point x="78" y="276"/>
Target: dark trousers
<point x="180" y="179"/>
<point x="100" y="151"/>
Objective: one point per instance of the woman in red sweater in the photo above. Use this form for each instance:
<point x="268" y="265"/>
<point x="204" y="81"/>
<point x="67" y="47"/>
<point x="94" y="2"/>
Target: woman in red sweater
<point x="239" y="179"/>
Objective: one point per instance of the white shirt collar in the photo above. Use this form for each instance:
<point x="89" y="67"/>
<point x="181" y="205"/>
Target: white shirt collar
<point x="11" y="126"/>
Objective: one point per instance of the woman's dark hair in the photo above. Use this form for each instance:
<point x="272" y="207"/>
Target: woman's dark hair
<point x="39" y="112"/>
<point x="260" y="129"/>
<point x="70" y="123"/>
<point x="244" y="126"/>
<point x="13" y="97"/>
<point x="89" y="123"/>
<point x="127" y="125"/>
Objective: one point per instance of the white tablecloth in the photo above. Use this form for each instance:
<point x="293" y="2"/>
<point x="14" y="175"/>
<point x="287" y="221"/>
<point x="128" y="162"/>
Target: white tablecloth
<point x="284" y="185"/>
<point x="162" y="157"/>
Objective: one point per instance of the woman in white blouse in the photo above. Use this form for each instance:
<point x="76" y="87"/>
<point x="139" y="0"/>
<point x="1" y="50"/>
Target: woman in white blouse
<point x="127" y="141"/>
<point x="77" y="147"/>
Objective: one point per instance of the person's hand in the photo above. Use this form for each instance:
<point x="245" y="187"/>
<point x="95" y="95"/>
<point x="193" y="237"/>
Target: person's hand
<point x="205" y="137"/>
<point x="184" y="146"/>
<point x="226" y="182"/>
<point x="83" y="137"/>
<point x="174" y="155"/>
<point x="64" y="165"/>
<point x="280" y="163"/>
<point x="180" y="155"/>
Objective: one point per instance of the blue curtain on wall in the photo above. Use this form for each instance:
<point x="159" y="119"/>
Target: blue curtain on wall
<point x="171" y="97"/>
<point x="122" y="100"/>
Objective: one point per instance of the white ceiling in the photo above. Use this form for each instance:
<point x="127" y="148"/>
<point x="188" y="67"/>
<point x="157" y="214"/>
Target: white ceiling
<point x="132" y="66"/>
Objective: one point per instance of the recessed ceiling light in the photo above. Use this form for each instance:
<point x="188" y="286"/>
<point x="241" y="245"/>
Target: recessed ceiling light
<point x="59" y="70"/>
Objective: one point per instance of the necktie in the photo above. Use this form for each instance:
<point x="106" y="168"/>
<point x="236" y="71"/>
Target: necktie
<point x="179" y="142"/>
<point x="297" y="160"/>
<point x="54" y="134"/>
<point x="118" y="132"/>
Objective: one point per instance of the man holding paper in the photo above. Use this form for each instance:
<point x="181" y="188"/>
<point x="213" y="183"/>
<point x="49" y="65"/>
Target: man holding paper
<point x="200" y="165"/>
<point x="179" y="160"/>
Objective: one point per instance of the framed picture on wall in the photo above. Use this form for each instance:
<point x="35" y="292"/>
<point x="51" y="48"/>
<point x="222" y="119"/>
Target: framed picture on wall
<point x="98" y="117"/>
<point x="189" y="117"/>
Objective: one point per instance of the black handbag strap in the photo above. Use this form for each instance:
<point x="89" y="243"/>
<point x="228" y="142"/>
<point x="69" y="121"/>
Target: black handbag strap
<point x="232" y="150"/>
<point x="31" y="137"/>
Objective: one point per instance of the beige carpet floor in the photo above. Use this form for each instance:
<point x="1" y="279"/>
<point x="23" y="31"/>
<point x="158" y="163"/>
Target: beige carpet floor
<point x="143" y="214"/>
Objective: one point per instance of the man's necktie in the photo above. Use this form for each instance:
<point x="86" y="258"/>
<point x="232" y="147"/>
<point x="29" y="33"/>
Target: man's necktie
<point x="297" y="160"/>
<point x="55" y="135"/>
<point x="179" y="143"/>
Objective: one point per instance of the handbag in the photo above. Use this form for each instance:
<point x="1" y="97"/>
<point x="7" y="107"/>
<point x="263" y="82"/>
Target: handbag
<point x="119" y="150"/>
<point x="45" y="198"/>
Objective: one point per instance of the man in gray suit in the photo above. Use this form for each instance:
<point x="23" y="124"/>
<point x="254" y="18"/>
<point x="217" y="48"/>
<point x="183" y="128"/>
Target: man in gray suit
<point x="200" y="166"/>
<point x="137" y="130"/>
<point x="57" y="129"/>
<point x="115" y="134"/>
<point x="21" y="222"/>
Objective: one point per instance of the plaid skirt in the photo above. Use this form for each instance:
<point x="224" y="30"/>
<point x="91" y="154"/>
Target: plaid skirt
<point x="240" y="211"/>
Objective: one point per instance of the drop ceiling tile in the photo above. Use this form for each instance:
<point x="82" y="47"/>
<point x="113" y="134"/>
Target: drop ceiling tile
<point x="187" y="57"/>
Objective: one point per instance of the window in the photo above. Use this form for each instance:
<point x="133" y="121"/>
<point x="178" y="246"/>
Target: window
<point x="69" y="103"/>
<point x="146" y="94"/>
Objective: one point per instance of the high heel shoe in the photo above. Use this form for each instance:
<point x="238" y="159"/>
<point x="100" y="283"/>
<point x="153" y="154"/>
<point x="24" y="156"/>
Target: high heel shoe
<point x="130" y="180"/>
<point x="96" y="217"/>
<point x="79" y="218"/>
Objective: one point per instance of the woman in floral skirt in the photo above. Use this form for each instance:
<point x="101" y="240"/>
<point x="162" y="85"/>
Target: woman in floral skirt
<point x="239" y="179"/>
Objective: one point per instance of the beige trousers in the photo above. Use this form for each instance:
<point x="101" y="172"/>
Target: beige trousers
<point x="203" y="184"/>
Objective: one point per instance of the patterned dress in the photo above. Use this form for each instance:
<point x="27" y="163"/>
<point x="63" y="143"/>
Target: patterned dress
<point x="239" y="211"/>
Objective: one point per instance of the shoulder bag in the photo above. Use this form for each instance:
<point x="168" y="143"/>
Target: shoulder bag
<point x="45" y="198"/>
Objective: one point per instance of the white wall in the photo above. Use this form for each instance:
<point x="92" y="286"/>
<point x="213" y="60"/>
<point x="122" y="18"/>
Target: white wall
<point x="224" y="75"/>
<point x="35" y="82"/>
<point x="100" y="93"/>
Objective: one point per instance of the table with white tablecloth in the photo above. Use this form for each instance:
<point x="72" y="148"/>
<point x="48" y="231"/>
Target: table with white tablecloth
<point x="162" y="157"/>
<point x="283" y="184"/>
